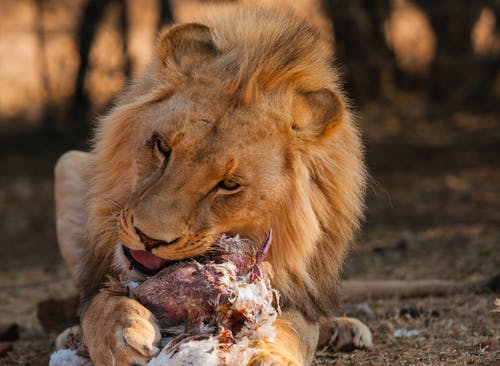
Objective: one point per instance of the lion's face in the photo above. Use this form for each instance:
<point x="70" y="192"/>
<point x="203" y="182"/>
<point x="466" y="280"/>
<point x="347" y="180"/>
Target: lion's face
<point x="203" y="167"/>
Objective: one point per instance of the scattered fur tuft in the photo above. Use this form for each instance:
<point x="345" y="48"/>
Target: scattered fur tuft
<point x="67" y="357"/>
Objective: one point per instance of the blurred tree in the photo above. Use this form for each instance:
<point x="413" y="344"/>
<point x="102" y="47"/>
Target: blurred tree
<point x="92" y="15"/>
<point x="46" y="118"/>
<point x="458" y="76"/>
<point x="124" y="27"/>
<point x="165" y="13"/>
<point x="452" y="68"/>
<point x="360" y="43"/>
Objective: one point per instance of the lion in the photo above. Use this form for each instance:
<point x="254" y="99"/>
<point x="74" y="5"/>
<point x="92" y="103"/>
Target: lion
<point x="238" y="125"/>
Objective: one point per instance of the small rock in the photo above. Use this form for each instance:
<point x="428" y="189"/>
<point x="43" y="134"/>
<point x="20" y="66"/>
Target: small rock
<point x="435" y="313"/>
<point x="406" y="239"/>
<point x="5" y="347"/>
<point x="494" y="284"/>
<point x="385" y="327"/>
<point x="9" y="332"/>
<point x="489" y="346"/>
<point x="364" y="311"/>
<point x="410" y="312"/>
<point x="497" y="304"/>
<point x="402" y="244"/>
<point x="399" y="333"/>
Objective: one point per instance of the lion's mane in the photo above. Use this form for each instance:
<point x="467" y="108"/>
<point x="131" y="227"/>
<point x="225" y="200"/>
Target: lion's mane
<point x="262" y="49"/>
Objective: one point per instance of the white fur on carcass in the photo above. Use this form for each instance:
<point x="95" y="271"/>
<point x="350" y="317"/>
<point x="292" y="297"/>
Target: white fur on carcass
<point x="68" y="357"/>
<point x="254" y="298"/>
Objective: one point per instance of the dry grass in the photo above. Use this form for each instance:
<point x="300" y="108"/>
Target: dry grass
<point x="434" y="212"/>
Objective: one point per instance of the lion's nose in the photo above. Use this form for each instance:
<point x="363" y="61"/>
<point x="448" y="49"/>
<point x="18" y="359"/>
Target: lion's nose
<point x="150" y="243"/>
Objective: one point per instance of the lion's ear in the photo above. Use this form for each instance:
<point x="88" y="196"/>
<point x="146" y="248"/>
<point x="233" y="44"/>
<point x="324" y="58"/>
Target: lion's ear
<point x="322" y="112"/>
<point x="185" y="47"/>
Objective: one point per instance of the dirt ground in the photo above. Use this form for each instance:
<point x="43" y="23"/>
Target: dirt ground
<point x="433" y="212"/>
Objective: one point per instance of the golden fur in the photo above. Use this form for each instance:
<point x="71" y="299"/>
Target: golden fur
<point x="249" y="94"/>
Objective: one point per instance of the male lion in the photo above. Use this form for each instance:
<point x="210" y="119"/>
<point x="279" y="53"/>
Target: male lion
<point x="237" y="126"/>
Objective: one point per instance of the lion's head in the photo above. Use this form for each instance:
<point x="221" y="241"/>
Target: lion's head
<point x="238" y="126"/>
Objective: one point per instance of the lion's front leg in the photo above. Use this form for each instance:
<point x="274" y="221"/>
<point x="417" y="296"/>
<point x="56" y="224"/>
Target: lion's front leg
<point x="119" y="331"/>
<point x="343" y="333"/>
<point x="294" y="344"/>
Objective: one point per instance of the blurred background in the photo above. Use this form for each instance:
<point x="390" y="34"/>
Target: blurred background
<point x="424" y="78"/>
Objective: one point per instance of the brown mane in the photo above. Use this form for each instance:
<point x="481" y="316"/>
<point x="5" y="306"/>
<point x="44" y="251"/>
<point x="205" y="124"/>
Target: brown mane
<point x="258" y="51"/>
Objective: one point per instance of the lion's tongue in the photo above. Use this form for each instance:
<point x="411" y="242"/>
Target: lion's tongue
<point x="148" y="260"/>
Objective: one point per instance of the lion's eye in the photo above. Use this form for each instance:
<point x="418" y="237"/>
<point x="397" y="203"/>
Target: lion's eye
<point x="229" y="185"/>
<point x="163" y="148"/>
<point x="159" y="143"/>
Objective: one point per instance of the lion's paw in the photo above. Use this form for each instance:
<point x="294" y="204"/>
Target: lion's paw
<point x="125" y="335"/>
<point x="347" y="334"/>
<point x="266" y="354"/>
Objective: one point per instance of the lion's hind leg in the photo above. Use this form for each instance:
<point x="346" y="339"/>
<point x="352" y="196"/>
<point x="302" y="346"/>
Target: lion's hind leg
<point x="72" y="173"/>
<point x="344" y="334"/>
